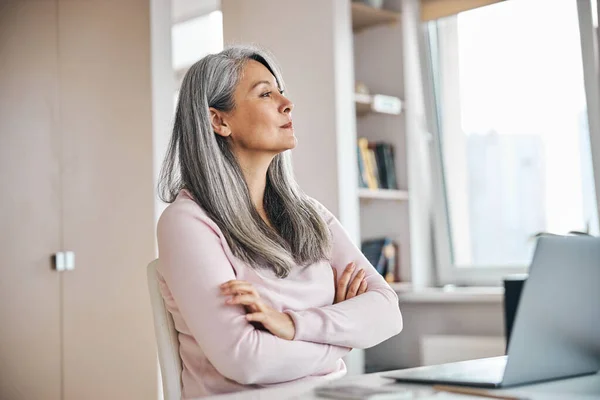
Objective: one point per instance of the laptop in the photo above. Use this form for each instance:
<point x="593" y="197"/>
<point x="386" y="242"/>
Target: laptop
<point x="556" y="333"/>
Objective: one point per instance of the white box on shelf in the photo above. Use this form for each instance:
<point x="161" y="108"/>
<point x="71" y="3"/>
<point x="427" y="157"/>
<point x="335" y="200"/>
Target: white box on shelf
<point x="378" y="103"/>
<point x="386" y="104"/>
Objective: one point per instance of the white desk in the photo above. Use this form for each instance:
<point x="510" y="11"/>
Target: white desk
<point x="582" y="388"/>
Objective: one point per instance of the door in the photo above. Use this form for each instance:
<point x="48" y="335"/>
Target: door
<point x="30" y="211"/>
<point x="104" y="48"/>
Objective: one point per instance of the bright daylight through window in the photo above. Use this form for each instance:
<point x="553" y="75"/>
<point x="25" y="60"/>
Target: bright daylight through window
<point x="513" y="129"/>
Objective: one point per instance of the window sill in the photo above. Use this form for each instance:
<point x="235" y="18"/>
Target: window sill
<point x="472" y="294"/>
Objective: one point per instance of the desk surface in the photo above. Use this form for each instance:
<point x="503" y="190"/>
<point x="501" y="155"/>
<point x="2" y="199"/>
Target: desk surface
<point x="582" y="388"/>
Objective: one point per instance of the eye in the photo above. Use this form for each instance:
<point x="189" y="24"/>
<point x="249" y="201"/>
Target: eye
<point x="268" y="94"/>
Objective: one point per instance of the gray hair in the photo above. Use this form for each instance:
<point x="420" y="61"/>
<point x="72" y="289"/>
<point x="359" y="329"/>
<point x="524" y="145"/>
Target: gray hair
<point x="202" y="162"/>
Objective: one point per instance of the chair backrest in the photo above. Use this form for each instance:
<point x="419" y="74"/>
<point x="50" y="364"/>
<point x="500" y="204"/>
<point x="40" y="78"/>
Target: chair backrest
<point x="166" y="339"/>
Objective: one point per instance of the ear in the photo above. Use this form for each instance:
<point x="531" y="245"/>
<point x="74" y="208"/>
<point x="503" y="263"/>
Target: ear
<point x="218" y="122"/>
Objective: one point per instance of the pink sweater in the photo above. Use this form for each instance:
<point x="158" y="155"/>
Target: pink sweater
<point x="221" y="351"/>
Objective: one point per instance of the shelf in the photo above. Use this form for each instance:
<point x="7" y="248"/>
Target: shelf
<point x="435" y="9"/>
<point x="382" y="194"/>
<point x="377" y="103"/>
<point x="363" y="103"/>
<point x="401" y="287"/>
<point x="364" y="17"/>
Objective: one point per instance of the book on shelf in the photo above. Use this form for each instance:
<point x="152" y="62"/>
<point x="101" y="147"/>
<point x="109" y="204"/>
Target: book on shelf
<point x="373" y="165"/>
<point x="362" y="178"/>
<point x="376" y="165"/>
<point x="383" y="254"/>
<point x="365" y="164"/>
<point x="390" y="166"/>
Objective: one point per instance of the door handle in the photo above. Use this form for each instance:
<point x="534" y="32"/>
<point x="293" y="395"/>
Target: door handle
<point x="64" y="261"/>
<point x="69" y="260"/>
<point x="59" y="261"/>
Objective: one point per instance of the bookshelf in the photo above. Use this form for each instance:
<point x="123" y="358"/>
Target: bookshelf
<point x="364" y="16"/>
<point x="378" y="66"/>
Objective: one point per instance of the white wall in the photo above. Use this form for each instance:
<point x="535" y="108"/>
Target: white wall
<point x="163" y="87"/>
<point x="345" y="112"/>
<point x="182" y="10"/>
<point x="417" y="141"/>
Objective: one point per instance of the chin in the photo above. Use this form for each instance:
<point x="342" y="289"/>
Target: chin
<point x="289" y="144"/>
<point x="282" y="145"/>
<point x="293" y="143"/>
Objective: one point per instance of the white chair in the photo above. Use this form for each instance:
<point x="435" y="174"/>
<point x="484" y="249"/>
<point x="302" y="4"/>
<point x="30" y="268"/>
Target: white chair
<point x="166" y="339"/>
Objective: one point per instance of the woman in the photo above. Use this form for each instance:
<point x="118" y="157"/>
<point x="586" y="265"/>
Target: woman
<point x="248" y="262"/>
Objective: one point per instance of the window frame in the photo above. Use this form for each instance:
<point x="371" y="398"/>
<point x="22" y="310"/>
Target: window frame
<point x="446" y="271"/>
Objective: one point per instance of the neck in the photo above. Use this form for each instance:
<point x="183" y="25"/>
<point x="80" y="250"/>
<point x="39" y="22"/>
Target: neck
<point x="255" y="173"/>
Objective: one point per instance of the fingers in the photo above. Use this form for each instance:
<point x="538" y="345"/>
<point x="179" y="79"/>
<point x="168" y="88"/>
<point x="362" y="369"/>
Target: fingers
<point x="249" y="300"/>
<point x="342" y="284"/>
<point x="363" y="287"/>
<point x="240" y="290"/>
<point x="256" y="317"/>
<point x="355" y="285"/>
<point x="238" y="287"/>
<point x="278" y="323"/>
<point x="244" y="294"/>
<point x="335" y="297"/>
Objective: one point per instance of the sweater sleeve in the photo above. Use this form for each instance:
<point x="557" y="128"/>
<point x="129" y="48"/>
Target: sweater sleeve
<point x="360" y="322"/>
<point x="194" y="265"/>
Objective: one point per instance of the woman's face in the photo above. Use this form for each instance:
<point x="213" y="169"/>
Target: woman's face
<point x="261" y="121"/>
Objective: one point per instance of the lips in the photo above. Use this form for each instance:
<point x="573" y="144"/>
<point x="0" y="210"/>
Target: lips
<point x="287" y="126"/>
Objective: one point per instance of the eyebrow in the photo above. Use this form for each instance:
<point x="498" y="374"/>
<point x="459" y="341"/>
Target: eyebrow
<point x="260" y="82"/>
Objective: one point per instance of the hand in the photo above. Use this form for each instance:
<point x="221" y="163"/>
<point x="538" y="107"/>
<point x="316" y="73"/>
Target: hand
<point x="343" y="291"/>
<point x="243" y="293"/>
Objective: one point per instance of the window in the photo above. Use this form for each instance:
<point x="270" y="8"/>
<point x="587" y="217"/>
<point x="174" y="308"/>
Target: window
<point x="512" y="135"/>
<point x="195" y="38"/>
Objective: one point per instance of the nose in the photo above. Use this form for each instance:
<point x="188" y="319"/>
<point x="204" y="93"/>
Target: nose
<point x="286" y="106"/>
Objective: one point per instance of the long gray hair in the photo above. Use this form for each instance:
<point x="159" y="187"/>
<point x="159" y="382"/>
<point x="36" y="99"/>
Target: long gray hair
<point x="202" y="162"/>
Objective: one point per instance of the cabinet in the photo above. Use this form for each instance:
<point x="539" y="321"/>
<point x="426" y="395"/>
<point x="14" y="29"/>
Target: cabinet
<point x="76" y="175"/>
<point x="30" y="302"/>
